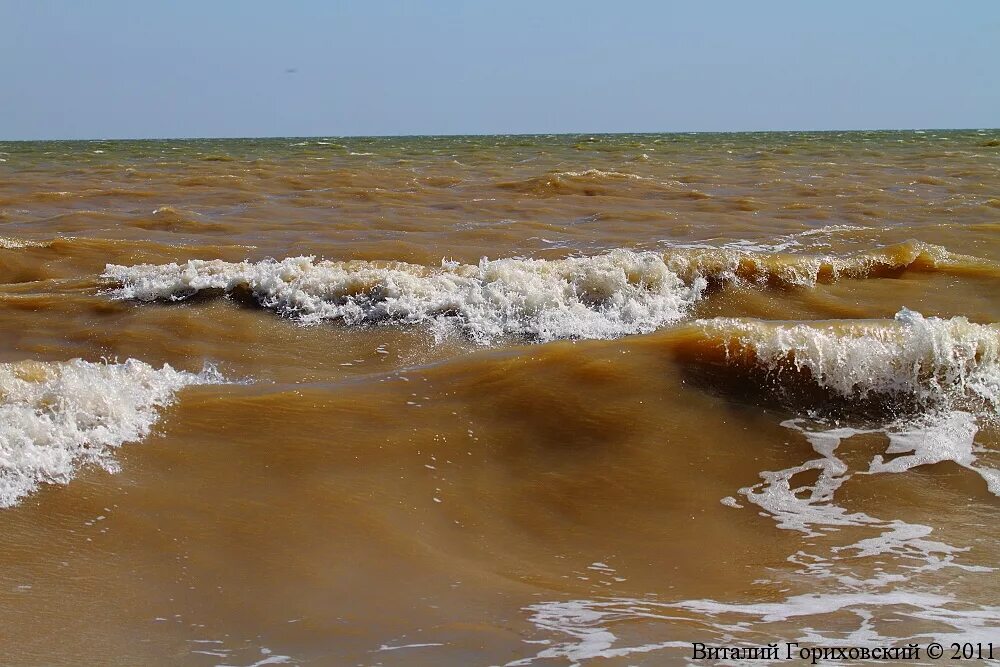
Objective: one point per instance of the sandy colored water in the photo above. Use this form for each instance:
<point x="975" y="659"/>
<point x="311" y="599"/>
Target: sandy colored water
<point x="672" y="405"/>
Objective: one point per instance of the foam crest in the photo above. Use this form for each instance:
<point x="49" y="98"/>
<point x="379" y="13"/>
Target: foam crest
<point x="56" y="417"/>
<point x="614" y="294"/>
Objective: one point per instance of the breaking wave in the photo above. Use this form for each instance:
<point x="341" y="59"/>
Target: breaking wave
<point x="606" y="296"/>
<point x="58" y="416"/>
<point x="923" y="362"/>
<point x="617" y="293"/>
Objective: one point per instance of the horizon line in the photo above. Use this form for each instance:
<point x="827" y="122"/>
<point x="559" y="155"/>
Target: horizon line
<point x="502" y="134"/>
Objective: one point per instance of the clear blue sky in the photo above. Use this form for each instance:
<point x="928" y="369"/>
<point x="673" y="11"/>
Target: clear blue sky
<point x="116" y="69"/>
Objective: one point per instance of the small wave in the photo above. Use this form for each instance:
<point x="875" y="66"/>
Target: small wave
<point x="171" y="212"/>
<point x="169" y="218"/>
<point x="91" y="193"/>
<point x="51" y="196"/>
<point x="11" y="243"/>
<point x="591" y="182"/>
<point x="440" y="181"/>
<point x="834" y="229"/>
<point x="58" y="416"/>
<point x="600" y="173"/>
<point x="769" y="265"/>
<point x="227" y="181"/>
<point x="606" y="296"/>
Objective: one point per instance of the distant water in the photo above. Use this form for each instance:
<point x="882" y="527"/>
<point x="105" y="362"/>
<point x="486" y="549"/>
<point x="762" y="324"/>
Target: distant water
<point x="497" y="400"/>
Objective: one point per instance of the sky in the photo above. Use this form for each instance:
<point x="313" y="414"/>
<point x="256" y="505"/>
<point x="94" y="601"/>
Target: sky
<point x="116" y="69"/>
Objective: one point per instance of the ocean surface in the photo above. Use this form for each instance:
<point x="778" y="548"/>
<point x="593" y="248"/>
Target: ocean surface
<point x="507" y="400"/>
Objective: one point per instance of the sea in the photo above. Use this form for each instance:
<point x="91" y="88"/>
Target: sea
<point x="498" y="400"/>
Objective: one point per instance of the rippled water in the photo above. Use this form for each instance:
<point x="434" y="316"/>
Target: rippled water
<point x="497" y="400"/>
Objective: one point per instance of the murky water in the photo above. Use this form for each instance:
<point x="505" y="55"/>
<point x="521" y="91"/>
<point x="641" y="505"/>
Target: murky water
<point x="497" y="400"/>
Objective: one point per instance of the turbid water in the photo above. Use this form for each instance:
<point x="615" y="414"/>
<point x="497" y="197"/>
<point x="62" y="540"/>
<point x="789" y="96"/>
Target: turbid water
<point x="517" y="400"/>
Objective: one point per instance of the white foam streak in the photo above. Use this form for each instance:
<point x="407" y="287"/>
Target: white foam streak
<point x="898" y="551"/>
<point x="610" y="295"/>
<point x="585" y="621"/>
<point x="56" y="417"/>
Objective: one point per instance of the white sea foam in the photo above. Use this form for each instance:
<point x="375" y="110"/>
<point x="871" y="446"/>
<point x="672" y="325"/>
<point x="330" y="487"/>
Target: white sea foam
<point x="828" y="230"/>
<point x="605" y="296"/>
<point x="947" y="369"/>
<point x="945" y="365"/>
<point x="581" y="630"/>
<point x="884" y="567"/>
<point x="11" y="243"/>
<point x="56" y="417"/>
<point x="934" y="438"/>
<point x="599" y="173"/>
<point x="781" y="243"/>
<point x="811" y="508"/>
